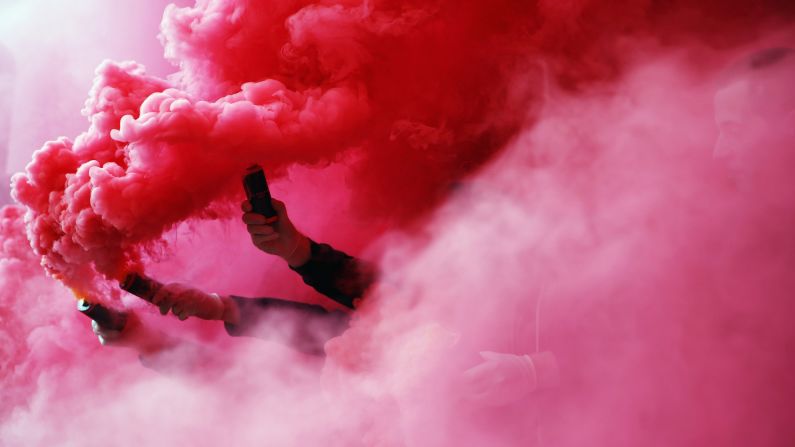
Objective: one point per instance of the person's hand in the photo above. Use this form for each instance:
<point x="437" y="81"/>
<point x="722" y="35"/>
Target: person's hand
<point x="500" y="379"/>
<point x="184" y="301"/>
<point x="276" y="235"/>
<point x="134" y="335"/>
<point x="104" y="335"/>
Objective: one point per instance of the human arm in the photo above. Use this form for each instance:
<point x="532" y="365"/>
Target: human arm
<point x="339" y="276"/>
<point x="336" y="274"/>
<point x="304" y="327"/>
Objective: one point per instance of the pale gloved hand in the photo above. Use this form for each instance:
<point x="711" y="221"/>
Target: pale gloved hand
<point x="276" y="235"/>
<point x="104" y="335"/>
<point x="184" y="301"/>
<point x="134" y="335"/>
<point x="504" y="378"/>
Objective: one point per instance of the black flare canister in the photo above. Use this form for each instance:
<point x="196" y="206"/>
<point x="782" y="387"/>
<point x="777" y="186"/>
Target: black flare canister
<point x="257" y="191"/>
<point x="141" y="286"/>
<point x="105" y="317"/>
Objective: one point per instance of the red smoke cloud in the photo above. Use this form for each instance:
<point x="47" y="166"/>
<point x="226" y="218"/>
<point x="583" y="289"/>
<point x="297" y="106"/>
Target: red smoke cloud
<point x="549" y="164"/>
<point x="418" y="85"/>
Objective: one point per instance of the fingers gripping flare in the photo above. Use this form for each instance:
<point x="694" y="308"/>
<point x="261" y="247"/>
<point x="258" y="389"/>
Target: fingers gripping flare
<point x="180" y="299"/>
<point x="184" y="301"/>
<point x="276" y="235"/>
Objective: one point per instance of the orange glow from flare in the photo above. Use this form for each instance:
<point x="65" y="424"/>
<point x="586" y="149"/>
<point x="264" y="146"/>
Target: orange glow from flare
<point x="79" y="295"/>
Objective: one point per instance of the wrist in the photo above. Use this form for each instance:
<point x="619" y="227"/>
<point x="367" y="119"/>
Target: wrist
<point x="301" y="253"/>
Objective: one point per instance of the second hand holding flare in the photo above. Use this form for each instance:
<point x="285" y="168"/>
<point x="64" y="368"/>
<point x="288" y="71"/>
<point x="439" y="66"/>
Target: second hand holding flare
<point x="182" y="300"/>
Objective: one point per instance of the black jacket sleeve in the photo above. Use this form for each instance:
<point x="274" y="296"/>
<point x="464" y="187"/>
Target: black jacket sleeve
<point x="307" y="327"/>
<point x="304" y="327"/>
<point x="335" y="274"/>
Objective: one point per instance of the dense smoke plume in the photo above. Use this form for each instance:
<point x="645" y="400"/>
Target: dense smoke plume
<point x="529" y="176"/>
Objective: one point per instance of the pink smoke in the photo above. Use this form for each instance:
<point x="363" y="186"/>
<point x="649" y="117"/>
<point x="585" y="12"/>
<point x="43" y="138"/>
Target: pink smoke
<point x="533" y="176"/>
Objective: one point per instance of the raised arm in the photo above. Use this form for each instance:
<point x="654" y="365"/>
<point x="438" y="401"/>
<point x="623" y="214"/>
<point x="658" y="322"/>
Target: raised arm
<point x="331" y="272"/>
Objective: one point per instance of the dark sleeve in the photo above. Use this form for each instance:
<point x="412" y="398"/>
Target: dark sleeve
<point x="335" y="274"/>
<point x="304" y="327"/>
